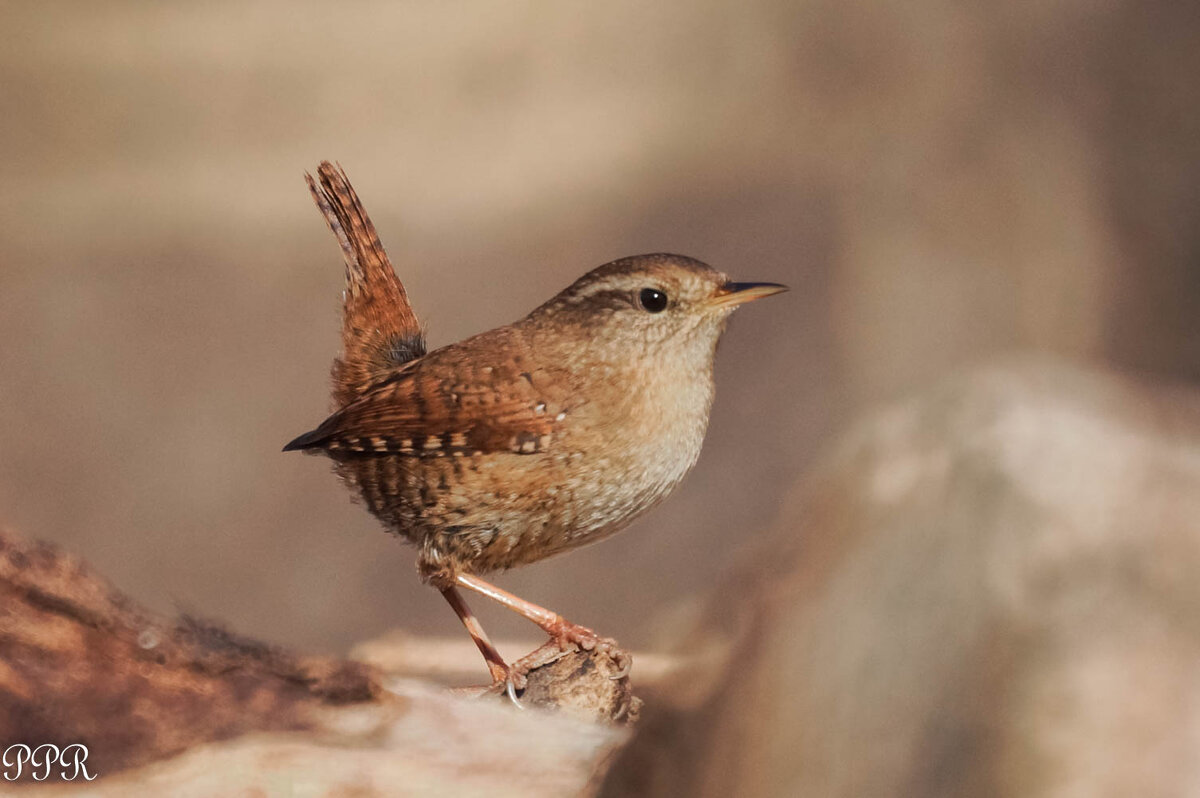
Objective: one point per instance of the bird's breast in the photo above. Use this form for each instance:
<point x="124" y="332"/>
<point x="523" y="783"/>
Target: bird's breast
<point x="631" y="451"/>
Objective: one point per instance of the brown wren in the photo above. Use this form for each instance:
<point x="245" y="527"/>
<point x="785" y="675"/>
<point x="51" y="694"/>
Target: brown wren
<point x="527" y="440"/>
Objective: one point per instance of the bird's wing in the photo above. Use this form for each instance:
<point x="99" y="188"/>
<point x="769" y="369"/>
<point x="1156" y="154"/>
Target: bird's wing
<point x="431" y="412"/>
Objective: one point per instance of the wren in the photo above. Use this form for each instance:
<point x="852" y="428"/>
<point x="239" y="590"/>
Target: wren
<point x="528" y="440"/>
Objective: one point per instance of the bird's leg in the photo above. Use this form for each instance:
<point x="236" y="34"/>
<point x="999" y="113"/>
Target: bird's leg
<point x="562" y="631"/>
<point x="500" y="670"/>
<point x="554" y="624"/>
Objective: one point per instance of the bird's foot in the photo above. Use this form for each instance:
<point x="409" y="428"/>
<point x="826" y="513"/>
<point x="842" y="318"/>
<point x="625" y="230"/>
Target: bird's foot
<point x="511" y="681"/>
<point x="566" y="635"/>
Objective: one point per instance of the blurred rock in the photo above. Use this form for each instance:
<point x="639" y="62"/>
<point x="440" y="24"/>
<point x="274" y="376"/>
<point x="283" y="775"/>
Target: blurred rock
<point x="81" y="663"/>
<point x="989" y="590"/>
<point x="427" y="743"/>
<point x="188" y="708"/>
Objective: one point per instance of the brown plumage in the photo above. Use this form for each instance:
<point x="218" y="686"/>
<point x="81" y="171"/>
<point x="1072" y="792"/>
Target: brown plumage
<point x="379" y="329"/>
<point x="530" y="439"/>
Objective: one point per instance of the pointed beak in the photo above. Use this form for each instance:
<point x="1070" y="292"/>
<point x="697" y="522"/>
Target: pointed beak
<point x="734" y="294"/>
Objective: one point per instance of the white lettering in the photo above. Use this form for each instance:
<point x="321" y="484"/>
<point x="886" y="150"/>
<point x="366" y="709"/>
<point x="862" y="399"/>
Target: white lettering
<point x="20" y="757"/>
<point x="80" y="753"/>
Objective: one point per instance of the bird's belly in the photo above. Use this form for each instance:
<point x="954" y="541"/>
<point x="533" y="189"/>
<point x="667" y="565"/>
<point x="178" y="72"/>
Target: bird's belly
<point x="584" y="499"/>
<point x="466" y="513"/>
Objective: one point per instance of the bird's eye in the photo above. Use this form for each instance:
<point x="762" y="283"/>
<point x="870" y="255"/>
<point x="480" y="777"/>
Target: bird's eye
<point x="653" y="300"/>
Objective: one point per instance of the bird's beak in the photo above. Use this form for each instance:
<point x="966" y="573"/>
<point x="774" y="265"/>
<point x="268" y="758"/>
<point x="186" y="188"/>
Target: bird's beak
<point x="734" y="294"/>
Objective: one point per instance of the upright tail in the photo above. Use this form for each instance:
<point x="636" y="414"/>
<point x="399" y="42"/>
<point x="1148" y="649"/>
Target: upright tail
<point x="380" y="331"/>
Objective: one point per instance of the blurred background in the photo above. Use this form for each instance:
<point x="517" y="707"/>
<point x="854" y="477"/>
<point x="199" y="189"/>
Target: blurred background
<point x="939" y="183"/>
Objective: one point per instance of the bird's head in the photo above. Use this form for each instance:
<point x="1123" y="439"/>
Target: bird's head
<point x="651" y="301"/>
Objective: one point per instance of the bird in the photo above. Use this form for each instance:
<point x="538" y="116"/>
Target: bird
<point x="528" y="440"/>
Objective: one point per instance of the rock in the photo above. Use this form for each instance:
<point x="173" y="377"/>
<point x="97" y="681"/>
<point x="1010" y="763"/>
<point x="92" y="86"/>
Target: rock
<point x="990" y="589"/>
<point x="188" y="707"/>
<point x="426" y="742"/>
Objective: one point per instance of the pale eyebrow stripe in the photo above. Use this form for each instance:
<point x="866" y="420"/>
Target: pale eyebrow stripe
<point x="613" y="297"/>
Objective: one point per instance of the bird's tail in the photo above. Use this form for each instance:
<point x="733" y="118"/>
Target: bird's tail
<point x="380" y="331"/>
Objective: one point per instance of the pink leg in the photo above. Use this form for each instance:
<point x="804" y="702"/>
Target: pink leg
<point x="500" y="670"/>
<point x="563" y="631"/>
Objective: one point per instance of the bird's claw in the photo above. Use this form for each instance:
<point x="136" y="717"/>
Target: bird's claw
<point x="567" y="634"/>
<point x="510" y="682"/>
<point x="624" y="662"/>
<point x="510" y="688"/>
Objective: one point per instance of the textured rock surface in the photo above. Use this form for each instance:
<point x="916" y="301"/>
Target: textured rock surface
<point x="425" y="743"/>
<point x="987" y="590"/>
<point x="188" y="708"/>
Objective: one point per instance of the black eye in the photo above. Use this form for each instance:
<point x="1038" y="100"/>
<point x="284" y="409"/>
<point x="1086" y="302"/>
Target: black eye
<point x="653" y="300"/>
